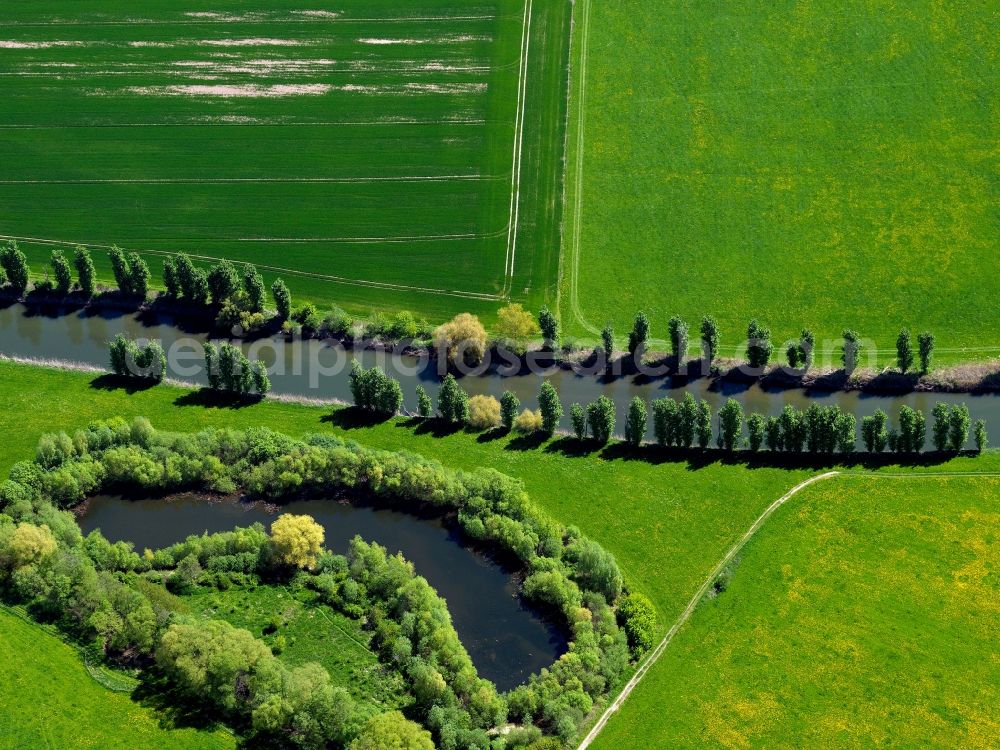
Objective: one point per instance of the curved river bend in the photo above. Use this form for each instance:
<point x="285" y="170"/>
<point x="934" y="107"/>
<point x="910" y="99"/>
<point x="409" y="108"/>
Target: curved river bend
<point x="319" y="369"/>
<point x="507" y="638"/>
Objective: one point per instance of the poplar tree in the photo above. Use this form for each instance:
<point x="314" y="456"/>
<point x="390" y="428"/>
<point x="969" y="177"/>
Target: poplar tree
<point x="926" y="343"/>
<point x="756" y="425"/>
<point x="608" y="342"/>
<point x="85" y="271"/>
<point x="635" y="422"/>
<point x="638" y="337"/>
<point x="62" y="273"/>
<point x="731" y="424"/>
<point x="550" y="407"/>
<point x="679" y="336"/>
<point x="904" y="351"/>
<point x="759" y="346"/>
<point x="282" y="299"/>
<point x="510" y="405"/>
<point x="709" y="339"/>
<point x="549" y="325"/>
<point x="578" y="416"/>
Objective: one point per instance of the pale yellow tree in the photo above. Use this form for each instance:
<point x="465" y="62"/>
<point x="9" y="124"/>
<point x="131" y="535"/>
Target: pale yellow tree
<point x="462" y="338"/>
<point x="297" y="540"/>
<point x="30" y="544"/>
<point x="516" y="325"/>
<point x="484" y="413"/>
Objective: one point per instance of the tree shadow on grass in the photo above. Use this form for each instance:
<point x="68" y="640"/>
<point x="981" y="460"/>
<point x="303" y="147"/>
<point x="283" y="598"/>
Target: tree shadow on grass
<point x="493" y="435"/>
<point x="353" y="418"/>
<point x="436" y="427"/>
<point x="131" y="386"/>
<point x="529" y="442"/>
<point x="174" y="709"/>
<point x="209" y="399"/>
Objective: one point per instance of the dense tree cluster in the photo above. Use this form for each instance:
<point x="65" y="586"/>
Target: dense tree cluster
<point x="41" y="549"/>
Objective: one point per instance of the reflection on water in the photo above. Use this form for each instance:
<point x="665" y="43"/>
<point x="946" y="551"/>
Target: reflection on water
<point x="507" y="639"/>
<point x="318" y="369"/>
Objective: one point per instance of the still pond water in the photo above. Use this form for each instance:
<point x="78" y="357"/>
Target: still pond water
<point x="507" y="638"/>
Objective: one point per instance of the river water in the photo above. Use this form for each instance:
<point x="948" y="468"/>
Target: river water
<point x="319" y="369"/>
<point x="507" y="638"/>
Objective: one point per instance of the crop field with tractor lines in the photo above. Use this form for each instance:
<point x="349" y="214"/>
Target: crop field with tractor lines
<point x="374" y="155"/>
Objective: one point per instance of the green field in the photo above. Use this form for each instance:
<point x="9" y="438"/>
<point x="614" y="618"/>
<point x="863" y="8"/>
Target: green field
<point x="377" y="156"/>
<point x="47" y="700"/>
<point x="863" y="615"/>
<point x="809" y="165"/>
<point x="668" y="524"/>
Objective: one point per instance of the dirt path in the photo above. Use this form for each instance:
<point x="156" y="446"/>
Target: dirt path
<point x="657" y="652"/>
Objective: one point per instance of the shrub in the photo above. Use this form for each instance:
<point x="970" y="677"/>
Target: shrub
<point x="638" y="618"/>
<point x="375" y="391"/>
<point x="528" y="422"/>
<point x="484" y="413"/>
<point x="391" y="730"/>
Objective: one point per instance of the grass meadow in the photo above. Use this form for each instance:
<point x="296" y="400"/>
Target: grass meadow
<point x="369" y="155"/>
<point x="862" y="615"/>
<point x="47" y="700"/>
<point x="668" y="524"/>
<point x="302" y="630"/>
<point x="807" y="165"/>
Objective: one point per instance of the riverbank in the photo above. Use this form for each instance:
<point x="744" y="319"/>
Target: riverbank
<point x="161" y="313"/>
